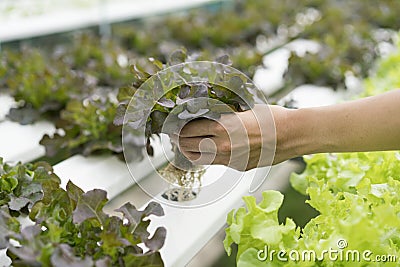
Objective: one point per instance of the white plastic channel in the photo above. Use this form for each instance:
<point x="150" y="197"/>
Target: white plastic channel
<point x="104" y="12"/>
<point x="20" y="142"/>
<point x="108" y="172"/>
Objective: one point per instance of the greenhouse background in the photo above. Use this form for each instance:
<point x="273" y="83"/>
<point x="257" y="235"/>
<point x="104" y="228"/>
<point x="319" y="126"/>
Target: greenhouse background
<point x="68" y="71"/>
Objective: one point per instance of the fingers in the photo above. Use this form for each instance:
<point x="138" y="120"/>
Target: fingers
<point x="225" y="141"/>
<point x="206" y="151"/>
<point x="206" y="142"/>
<point x="202" y="127"/>
<point x="198" y="158"/>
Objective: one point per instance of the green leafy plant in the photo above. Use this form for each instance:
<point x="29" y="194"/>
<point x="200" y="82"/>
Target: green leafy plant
<point x="42" y="85"/>
<point x="350" y="34"/>
<point x="350" y="191"/>
<point x="20" y="185"/>
<point x="386" y="75"/>
<point x="68" y="226"/>
<point x="343" y="172"/>
<point x="103" y="62"/>
<point x="86" y="127"/>
<point x="344" y="217"/>
<point x="202" y="30"/>
<point x="75" y="87"/>
<point x="43" y="82"/>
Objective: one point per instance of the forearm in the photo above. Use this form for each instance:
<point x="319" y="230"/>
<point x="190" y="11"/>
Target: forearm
<point x="368" y="124"/>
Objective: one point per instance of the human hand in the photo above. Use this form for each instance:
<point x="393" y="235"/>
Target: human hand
<point x="242" y="140"/>
<point x="268" y="135"/>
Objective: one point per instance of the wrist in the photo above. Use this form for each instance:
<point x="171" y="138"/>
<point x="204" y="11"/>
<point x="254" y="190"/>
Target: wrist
<point x="297" y="133"/>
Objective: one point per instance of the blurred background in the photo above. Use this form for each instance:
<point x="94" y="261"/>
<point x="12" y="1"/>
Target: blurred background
<point x="57" y="52"/>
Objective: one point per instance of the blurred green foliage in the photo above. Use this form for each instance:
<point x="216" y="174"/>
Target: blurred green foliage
<point x="386" y="76"/>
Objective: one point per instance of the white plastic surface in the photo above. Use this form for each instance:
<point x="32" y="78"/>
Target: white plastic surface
<point x="6" y="102"/>
<point x="308" y="95"/>
<point x="21" y="142"/>
<point x="4" y="260"/>
<point x="270" y="77"/>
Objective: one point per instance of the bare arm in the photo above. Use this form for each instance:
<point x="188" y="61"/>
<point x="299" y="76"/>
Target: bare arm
<point x="368" y="124"/>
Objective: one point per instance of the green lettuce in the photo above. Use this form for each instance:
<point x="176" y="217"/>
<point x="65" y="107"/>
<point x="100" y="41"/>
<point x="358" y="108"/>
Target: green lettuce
<point x="344" y="171"/>
<point x="366" y="222"/>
